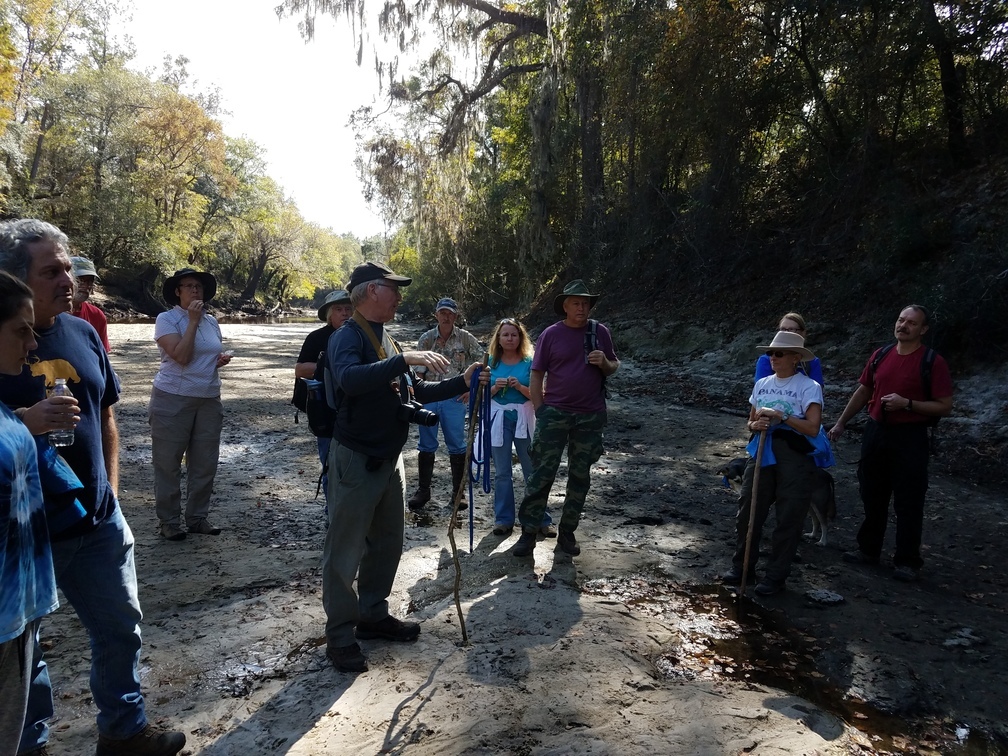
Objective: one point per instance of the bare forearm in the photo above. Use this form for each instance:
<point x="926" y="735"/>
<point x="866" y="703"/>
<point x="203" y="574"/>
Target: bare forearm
<point x="536" y="389"/>
<point x="304" y="370"/>
<point x="110" y="448"/>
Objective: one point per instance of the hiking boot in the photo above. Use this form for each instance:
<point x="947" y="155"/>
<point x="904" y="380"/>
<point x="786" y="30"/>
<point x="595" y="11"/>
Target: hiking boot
<point x="150" y="741"/>
<point x="734" y="576"/>
<point x="568" y="543"/>
<point x="526" y="543"/>
<point x="388" y="628"/>
<point x="859" y="557"/>
<point x="768" y="587"/>
<point x="503" y="530"/>
<point x="203" y="527"/>
<point x="172" y="532"/>
<point x="425" y="473"/>
<point x="548" y="531"/>
<point x="347" y="658"/>
<point x="905" y="574"/>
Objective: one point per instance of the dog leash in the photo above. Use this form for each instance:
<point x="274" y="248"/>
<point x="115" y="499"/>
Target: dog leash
<point x="479" y="463"/>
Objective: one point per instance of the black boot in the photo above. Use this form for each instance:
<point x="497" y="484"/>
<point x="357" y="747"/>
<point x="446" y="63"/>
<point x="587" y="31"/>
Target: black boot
<point x="458" y="473"/>
<point x="526" y="543"/>
<point x="425" y="467"/>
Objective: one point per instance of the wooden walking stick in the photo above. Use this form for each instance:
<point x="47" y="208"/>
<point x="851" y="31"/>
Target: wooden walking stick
<point x="752" y="516"/>
<point x="457" y="500"/>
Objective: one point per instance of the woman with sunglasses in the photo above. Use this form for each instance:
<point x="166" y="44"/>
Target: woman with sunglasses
<point x="512" y="419"/>
<point x="792" y="322"/>
<point x="787" y="405"/>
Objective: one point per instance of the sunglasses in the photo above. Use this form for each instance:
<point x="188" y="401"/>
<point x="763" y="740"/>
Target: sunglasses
<point x="778" y="355"/>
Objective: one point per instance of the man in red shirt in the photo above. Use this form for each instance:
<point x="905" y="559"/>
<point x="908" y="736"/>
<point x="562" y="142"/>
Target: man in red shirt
<point x="903" y="399"/>
<point x="86" y="274"/>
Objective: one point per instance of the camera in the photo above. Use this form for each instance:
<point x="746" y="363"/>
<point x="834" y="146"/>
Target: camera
<point x="414" y="412"/>
<point x="316" y="389"/>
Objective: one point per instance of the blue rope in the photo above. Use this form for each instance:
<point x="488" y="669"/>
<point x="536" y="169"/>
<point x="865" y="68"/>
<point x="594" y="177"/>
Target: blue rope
<point x="479" y="464"/>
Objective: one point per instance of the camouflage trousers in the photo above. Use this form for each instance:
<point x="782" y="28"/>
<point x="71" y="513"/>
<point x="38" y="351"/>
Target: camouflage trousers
<point x="581" y="434"/>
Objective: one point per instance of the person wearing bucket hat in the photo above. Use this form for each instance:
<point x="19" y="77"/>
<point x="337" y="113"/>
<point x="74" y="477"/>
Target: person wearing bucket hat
<point x="86" y="275"/>
<point x="576" y="355"/>
<point x="185" y="413"/>
<point x="334" y="312"/>
<point x="460" y="348"/>
<point x="787" y="405"/>
<point x="93" y="558"/>
<point x="907" y="387"/>
<point x="370" y="383"/>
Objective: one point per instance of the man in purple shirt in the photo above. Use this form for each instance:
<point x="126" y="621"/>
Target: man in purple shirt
<point x="572" y="360"/>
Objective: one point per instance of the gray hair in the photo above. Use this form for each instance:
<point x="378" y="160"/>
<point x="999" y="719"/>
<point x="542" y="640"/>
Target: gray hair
<point x="359" y="293"/>
<point x="15" y="238"/>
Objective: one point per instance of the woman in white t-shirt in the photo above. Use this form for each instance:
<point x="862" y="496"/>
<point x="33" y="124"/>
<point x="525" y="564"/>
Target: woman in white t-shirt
<point x="788" y="405"/>
<point x="185" y="412"/>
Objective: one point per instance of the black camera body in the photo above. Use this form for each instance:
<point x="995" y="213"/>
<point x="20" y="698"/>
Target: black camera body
<point x="414" y="412"/>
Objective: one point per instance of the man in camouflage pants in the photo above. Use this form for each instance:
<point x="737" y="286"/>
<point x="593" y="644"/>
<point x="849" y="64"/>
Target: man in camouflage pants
<point x="577" y="354"/>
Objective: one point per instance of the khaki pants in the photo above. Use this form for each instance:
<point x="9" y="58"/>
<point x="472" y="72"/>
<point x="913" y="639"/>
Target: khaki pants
<point x="190" y="426"/>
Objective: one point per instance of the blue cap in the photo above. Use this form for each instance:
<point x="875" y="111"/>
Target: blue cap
<point x="447" y="304"/>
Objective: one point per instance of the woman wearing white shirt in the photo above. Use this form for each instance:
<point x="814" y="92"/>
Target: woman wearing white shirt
<point x="788" y="405"/>
<point x="185" y="413"/>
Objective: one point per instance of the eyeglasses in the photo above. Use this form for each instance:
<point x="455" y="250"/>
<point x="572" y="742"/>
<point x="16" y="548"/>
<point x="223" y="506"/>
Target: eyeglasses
<point x="394" y="287"/>
<point x="508" y="321"/>
<point x="790" y="330"/>
<point x="778" y="355"/>
<point x="191" y="286"/>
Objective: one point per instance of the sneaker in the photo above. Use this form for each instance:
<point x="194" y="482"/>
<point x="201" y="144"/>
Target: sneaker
<point x="905" y="574"/>
<point x="503" y="530"/>
<point x="347" y="658"/>
<point x="548" y="531"/>
<point x="568" y="543"/>
<point x="203" y="527"/>
<point x="150" y="741"/>
<point x="172" y="532"/>
<point x="526" y="543"/>
<point x="768" y="587"/>
<point x="388" y="628"/>
<point x="734" y="576"/>
<point x="859" y="557"/>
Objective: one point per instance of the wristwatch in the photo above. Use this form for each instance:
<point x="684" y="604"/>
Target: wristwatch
<point x="784" y="417"/>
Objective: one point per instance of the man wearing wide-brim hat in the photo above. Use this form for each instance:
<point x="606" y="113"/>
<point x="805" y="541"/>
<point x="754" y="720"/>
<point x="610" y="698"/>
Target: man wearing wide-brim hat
<point x="573" y="358"/>
<point x="334" y="312"/>
<point x="85" y="275"/>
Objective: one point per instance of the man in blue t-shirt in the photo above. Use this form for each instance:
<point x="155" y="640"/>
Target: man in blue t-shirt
<point x="93" y="556"/>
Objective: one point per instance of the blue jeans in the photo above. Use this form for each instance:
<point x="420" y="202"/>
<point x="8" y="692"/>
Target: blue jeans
<point x="323" y="454"/>
<point x="451" y="418"/>
<point x="97" y="575"/>
<point x="504" y="498"/>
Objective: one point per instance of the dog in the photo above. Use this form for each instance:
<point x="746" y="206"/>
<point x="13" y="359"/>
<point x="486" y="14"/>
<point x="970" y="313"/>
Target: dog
<point x="822" y="508"/>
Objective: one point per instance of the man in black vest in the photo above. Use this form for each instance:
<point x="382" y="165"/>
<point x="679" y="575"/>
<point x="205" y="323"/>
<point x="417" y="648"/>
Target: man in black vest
<point x="370" y="383"/>
<point x="906" y="389"/>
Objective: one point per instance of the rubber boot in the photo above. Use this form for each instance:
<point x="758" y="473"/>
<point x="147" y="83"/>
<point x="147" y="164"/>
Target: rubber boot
<point x="425" y="468"/>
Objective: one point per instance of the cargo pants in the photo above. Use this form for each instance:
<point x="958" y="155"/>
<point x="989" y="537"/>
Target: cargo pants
<point x="581" y="434"/>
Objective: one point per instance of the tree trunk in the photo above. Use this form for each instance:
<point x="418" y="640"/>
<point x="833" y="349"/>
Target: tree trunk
<point x="950" y="84"/>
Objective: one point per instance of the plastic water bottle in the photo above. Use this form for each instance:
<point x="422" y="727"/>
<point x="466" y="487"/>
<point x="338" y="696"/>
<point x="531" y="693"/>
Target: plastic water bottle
<point x="61" y="437"/>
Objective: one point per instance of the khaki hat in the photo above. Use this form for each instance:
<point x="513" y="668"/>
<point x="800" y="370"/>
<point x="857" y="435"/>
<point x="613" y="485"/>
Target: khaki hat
<point x="83" y="267"/>
<point x="336" y="297"/>
<point x="575" y="288"/>
<point x="786" y="341"/>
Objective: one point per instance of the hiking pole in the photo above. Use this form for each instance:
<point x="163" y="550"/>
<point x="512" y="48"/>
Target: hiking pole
<point x="752" y="517"/>
<point x="477" y="387"/>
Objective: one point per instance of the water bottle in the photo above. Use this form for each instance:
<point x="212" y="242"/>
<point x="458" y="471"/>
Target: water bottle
<point x="61" y="437"/>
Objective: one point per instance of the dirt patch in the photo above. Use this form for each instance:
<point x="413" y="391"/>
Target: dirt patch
<point x="631" y="648"/>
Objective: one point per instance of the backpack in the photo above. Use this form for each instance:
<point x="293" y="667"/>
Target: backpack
<point x="309" y="397"/>
<point x="591" y="342"/>
<point x="927" y="362"/>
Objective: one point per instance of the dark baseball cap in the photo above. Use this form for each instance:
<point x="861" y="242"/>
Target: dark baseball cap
<point x="375" y="271"/>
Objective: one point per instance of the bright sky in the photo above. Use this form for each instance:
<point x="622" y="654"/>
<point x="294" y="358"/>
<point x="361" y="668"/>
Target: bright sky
<point x="289" y="97"/>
